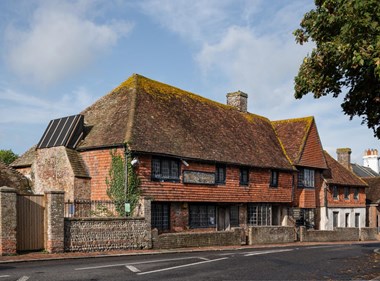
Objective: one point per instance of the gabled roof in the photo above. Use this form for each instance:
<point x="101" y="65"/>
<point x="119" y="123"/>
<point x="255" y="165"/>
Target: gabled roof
<point x="26" y="159"/>
<point x="156" y="118"/>
<point x="373" y="190"/>
<point x="11" y="178"/>
<point x="339" y="175"/>
<point x="363" y="172"/>
<point x="301" y="142"/>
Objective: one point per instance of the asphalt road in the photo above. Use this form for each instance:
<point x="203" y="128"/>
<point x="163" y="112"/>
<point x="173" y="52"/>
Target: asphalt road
<point x="324" y="262"/>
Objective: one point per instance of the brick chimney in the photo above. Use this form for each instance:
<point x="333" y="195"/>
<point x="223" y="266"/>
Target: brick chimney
<point x="239" y="100"/>
<point x="371" y="159"/>
<point x="344" y="157"/>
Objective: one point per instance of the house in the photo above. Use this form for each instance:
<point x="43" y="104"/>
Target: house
<point x="203" y="164"/>
<point x="342" y="198"/>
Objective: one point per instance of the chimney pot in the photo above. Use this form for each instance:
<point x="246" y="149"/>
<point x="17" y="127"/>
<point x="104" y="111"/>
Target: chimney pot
<point x="238" y="100"/>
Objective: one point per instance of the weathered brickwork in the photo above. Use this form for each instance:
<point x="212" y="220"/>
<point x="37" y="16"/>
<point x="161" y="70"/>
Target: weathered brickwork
<point x="8" y="221"/>
<point x="54" y="208"/>
<point x="196" y="239"/>
<point x="103" y="234"/>
<point x="271" y="234"/>
<point x="342" y="202"/>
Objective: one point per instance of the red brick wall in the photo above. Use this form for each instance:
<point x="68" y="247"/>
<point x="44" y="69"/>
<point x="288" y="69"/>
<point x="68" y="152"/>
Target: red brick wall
<point x="308" y="197"/>
<point x="341" y="202"/>
<point x="257" y="191"/>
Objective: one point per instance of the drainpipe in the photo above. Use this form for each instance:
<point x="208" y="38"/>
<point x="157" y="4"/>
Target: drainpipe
<point x="126" y="154"/>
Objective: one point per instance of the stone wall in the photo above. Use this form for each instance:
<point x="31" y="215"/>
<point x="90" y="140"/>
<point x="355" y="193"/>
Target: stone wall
<point x="103" y="234"/>
<point x="8" y="221"/>
<point x="196" y="239"/>
<point x="270" y="234"/>
<point x="339" y="234"/>
<point x="368" y="234"/>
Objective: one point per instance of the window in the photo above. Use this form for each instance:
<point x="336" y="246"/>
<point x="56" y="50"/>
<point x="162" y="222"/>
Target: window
<point x="357" y="220"/>
<point x="356" y="193"/>
<point x="273" y="178"/>
<point x="165" y="169"/>
<point x="259" y="214"/>
<point x="244" y="176"/>
<point x="335" y="219"/>
<point x="202" y="216"/>
<point x="160" y="215"/>
<point x="234" y="216"/>
<point x="304" y="216"/>
<point x="306" y="178"/>
<point x="347" y="220"/>
<point x="346" y="193"/>
<point x="335" y="193"/>
<point x="220" y="174"/>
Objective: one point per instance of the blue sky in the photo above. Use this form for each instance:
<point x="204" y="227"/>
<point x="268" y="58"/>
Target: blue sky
<point x="58" y="57"/>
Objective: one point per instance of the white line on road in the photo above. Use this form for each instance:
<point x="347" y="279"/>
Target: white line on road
<point x="267" y="252"/>
<point x="24" y="278"/>
<point x="180" y="266"/>
<point x="135" y="263"/>
<point x="320" y="247"/>
<point x="132" y="268"/>
<point x="4" y="276"/>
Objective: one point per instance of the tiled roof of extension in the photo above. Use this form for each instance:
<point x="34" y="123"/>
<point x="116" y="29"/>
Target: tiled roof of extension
<point x="301" y="142"/>
<point x="26" y="159"/>
<point x="339" y="175"/>
<point x="156" y="118"/>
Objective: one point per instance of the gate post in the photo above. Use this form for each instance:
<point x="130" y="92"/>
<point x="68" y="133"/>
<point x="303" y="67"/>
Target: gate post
<point x="8" y="221"/>
<point x="54" y="208"/>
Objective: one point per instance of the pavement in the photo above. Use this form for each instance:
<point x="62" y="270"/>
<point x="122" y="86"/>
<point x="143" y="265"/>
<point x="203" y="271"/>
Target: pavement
<point x="40" y="256"/>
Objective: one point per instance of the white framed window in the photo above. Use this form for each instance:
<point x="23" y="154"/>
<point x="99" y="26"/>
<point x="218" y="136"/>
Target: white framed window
<point x="259" y="214"/>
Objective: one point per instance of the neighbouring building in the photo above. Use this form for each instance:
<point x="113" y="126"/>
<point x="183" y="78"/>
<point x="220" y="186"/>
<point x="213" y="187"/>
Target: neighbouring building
<point x="12" y="178"/>
<point x="203" y="164"/>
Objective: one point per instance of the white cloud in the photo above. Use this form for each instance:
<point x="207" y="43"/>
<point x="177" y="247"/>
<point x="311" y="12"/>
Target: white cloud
<point x="61" y="38"/>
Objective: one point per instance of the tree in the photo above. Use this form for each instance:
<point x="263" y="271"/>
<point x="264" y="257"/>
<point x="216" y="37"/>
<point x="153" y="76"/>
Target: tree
<point x="7" y="156"/>
<point x="346" y="56"/>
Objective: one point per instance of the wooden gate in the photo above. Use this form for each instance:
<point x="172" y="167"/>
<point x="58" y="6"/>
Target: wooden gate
<point x="30" y="222"/>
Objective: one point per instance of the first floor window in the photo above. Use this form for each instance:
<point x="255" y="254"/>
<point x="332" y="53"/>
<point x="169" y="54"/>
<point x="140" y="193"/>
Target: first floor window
<point x="202" y="216"/>
<point x="274" y="178"/>
<point x="346" y="193"/>
<point x="160" y="215"/>
<point x="335" y="193"/>
<point x="234" y="216"/>
<point x="306" y="178"/>
<point x="244" y="176"/>
<point x="165" y="169"/>
<point x="220" y="174"/>
<point x="259" y="214"/>
<point x="356" y="193"/>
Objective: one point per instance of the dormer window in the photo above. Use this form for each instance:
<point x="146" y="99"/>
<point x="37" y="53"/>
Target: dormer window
<point x="165" y="169"/>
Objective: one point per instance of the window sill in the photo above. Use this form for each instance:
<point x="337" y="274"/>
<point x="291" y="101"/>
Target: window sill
<point x="165" y="180"/>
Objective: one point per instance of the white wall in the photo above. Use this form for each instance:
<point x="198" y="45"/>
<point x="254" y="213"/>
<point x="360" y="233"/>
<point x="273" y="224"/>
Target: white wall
<point x="326" y="222"/>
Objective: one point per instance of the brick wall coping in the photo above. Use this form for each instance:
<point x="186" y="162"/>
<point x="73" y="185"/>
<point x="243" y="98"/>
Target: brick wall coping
<point x="54" y="192"/>
<point x="7" y="189"/>
<point x="105" y="219"/>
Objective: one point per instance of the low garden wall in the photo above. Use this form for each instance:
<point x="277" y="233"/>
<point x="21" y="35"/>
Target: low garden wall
<point x="270" y="234"/>
<point x="339" y="234"/>
<point x="196" y="239"/>
<point x="368" y="234"/>
<point x="103" y="234"/>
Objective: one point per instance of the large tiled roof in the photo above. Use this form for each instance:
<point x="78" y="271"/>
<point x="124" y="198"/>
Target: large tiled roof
<point x="363" y="172"/>
<point x="301" y="142"/>
<point x="156" y="118"/>
<point x="339" y="175"/>
<point x="11" y="178"/>
<point x="26" y="159"/>
<point x="373" y="191"/>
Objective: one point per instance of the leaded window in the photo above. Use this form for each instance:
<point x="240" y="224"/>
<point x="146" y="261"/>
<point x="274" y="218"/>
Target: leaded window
<point x="244" y="176"/>
<point x="346" y="193"/>
<point x="165" y="169"/>
<point x="234" y="216"/>
<point x="202" y="216"/>
<point x="220" y="174"/>
<point x="160" y="215"/>
<point x="274" y="178"/>
<point x="306" y="178"/>
<point x="259" y="214"/>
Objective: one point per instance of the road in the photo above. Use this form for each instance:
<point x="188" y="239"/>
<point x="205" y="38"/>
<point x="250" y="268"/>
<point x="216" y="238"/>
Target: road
<point x="323" y="262"/>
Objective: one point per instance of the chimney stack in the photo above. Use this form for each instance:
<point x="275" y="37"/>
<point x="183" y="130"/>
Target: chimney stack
<point x="371" y="159"/>
<point x="239" y="100"/>
<point x="344" y="157"/>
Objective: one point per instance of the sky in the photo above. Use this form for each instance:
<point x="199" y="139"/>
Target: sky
<point x="59" y="56"/>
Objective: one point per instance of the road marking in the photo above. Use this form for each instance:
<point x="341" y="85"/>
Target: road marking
<point x="135" y="263"/>
<point x="4" y="276"/>
<point x="267" y="252"/>
<point x="180" y="266"/>
<point x="132" y="268"/>
<point x="24" y="278"/>
<point x="319" y="247"/>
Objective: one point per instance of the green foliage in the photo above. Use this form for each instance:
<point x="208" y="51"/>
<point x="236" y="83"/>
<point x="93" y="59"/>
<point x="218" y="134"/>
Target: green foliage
<point x="7" y="156"/>
<point x="346" y="56"/>
<point x="116" y="189"/>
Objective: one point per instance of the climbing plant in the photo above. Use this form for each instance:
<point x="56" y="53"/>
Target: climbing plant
<point x="116" y="184"/>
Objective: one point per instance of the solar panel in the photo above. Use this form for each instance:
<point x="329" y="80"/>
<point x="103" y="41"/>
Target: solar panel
<point x="66" y="131"/>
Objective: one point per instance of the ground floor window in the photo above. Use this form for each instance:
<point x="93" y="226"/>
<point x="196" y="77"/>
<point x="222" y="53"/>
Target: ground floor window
<point x="259" y="214"/>
<point x="347" y="220"/>
<point x="202" y="216"/>
<point x="234" y="216"/>
<point x="357" y="220"/>
<point x="335" y="219"/>
<point x="304" y="217"/>
<point x="160" y="215"/>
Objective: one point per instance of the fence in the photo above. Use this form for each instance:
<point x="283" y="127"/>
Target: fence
<point x="93" y="209"/>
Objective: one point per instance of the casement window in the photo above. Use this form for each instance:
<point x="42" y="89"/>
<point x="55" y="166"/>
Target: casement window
<point x="202" y="216"/>
<point x="273" y="178"/>
<point x="259" y="214"/>
<point x="160" y="216"/>
<point x="220" y="174"/>
<point x="335" y="219"/>
<point x="244" y="176"/>
<point x="335" y="193"/>
<point x="306" y="178"/>
<point x="347" y="220"/>
<point x="356" y="193"/>
<point x="234" y="216"/>
<point x="357" y="220"/>
<point x="346" y="193"/>
<point x="165" y="169"/>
